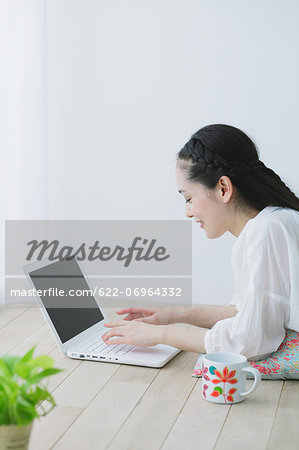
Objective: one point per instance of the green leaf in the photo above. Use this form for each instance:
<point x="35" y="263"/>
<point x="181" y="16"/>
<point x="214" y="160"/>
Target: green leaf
<point x="43" y="374"/>
<point x="35" y="396"/>
<point x="25" y="411"/>
<point x="23" y="369"/>
<point x="4" y="370"/>
<point x="28" y="355"/>
<point x="219" y="389"/>
<point x="3" y="408"/>
<point x="10" y="362"/>
<point x="42" y="361"/>
<point x="8" y="386"/>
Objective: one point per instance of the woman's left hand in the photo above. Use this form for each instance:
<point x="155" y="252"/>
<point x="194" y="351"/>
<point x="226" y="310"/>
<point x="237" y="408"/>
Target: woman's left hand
<point x="133" y="333"/>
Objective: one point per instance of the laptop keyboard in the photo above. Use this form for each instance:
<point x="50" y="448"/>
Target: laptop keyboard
<point x="104" y="349"/>
<point x="97" y="349"/>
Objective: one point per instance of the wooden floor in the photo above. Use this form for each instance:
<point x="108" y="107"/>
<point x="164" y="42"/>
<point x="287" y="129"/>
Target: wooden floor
<point x="112" y="406"/>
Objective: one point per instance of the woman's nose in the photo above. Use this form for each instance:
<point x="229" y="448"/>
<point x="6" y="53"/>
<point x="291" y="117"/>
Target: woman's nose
<point x="188" y="212"/>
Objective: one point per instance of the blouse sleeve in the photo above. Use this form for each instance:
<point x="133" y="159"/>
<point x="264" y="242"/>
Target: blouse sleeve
<point x="262" y="291"/>
<point x="255" y="332"/>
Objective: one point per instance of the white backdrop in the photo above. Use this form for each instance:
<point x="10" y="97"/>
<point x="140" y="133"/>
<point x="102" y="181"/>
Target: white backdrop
<point x="23" y="109"/>
<point x="128" y="82"/>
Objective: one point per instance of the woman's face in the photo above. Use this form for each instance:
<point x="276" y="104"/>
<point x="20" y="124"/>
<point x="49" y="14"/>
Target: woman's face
<point x="210" y="208"/>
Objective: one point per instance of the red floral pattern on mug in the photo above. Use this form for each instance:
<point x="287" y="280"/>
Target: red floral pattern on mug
<point x="204" y="373"/>
<point x="205" y="387"/>
<point x="224" y="377"/>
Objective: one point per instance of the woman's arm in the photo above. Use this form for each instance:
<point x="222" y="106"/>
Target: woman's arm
<point x="188" y="339"/>
<point x="144" y="334"/>
<point x="201" y="316"/>
<point x="206" y="316"/>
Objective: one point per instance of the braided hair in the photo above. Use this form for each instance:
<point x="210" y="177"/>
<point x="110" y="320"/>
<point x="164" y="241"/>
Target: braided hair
<point x="218" y="150"/>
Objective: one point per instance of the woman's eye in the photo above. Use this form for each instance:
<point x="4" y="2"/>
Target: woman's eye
<point x="187" y="201"/>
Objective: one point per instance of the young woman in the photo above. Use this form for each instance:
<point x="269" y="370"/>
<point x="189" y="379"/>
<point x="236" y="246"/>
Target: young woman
<point x="227" y="188"/>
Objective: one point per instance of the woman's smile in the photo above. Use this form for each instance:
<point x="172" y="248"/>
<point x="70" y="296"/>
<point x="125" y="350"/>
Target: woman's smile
<point x="201" y="223"/>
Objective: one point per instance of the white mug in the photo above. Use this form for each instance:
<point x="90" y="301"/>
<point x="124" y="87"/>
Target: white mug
<point x="224" y="376"/>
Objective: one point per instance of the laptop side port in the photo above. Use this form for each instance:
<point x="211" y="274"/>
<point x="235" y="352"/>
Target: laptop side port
<point x="81" y="356"/>
<point x="102" y="357"/>
<point x="95" y="357"/>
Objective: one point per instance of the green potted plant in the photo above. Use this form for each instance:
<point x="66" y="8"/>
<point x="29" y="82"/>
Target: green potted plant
<point x="21" y="393"/>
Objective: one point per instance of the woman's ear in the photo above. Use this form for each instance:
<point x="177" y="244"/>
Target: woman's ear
<point x="226" y="188"/>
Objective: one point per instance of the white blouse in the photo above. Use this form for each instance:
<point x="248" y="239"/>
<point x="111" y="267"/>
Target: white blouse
<point x="265" y="262"/>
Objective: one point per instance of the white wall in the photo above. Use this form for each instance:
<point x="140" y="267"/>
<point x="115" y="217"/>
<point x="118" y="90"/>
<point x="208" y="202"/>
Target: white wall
<point x="23" y="122"/>
<point x="130" y="80"/>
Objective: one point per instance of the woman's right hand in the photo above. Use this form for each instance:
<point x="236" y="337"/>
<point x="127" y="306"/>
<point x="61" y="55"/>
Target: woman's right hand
<point x="161" y="316"/>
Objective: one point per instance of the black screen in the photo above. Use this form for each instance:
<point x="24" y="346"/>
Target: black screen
<point x="70" y="315"/>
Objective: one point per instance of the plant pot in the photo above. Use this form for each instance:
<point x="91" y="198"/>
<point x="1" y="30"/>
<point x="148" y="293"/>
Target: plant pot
<point x="15" y="437"/>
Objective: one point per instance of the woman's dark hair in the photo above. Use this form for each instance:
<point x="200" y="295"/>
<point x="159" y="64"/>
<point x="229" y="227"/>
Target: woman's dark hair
<point x="217" y="150"/>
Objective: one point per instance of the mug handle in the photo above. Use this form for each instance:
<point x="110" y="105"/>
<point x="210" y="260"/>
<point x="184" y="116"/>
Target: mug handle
<point x="257" y="380"/>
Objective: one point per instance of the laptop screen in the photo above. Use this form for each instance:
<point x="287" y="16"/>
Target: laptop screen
<point x="70" y="314"/>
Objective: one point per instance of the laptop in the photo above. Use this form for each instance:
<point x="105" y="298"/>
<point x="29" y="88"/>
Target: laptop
<point x="77" y="322"/>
